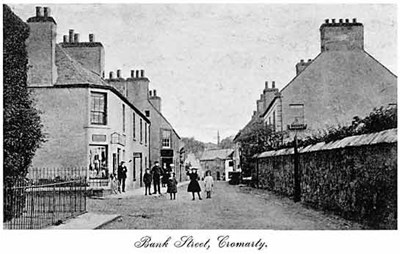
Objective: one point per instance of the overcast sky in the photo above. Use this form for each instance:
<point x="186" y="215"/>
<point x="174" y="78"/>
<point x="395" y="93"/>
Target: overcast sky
<point x="209" y="62"/>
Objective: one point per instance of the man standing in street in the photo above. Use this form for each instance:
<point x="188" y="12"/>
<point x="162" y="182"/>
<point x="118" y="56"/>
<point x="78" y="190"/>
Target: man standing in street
<point x="157" y="172"/>
<point x="122" y="170"/>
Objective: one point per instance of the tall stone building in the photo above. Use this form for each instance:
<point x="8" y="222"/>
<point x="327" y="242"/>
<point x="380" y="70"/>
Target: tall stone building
<point x="343" y="81"/>
<point x="165" y="143"/>
<point x="88" y="122"/>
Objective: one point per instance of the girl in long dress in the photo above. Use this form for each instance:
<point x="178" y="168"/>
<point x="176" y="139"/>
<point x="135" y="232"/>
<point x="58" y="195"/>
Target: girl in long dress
<point x="194" y="185"/>
<point x="208" y="184"/>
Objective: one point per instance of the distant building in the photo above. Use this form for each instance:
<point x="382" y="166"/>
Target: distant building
<point x="219" y="162"/>
<point x="87" y="122"/>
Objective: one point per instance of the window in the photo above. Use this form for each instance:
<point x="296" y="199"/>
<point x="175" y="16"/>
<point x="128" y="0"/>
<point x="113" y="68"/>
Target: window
<point x="98" y="108"/>
<point x="123" y="117"/>
<point x="147" y="113"/>
<point x="145" y="133"/>
<point x="296" y="112"/>
<point x="134" y="126"/>
<point x="141" y="131"/>
<point x="98" y="165"/>
<point x="166" y="139"/>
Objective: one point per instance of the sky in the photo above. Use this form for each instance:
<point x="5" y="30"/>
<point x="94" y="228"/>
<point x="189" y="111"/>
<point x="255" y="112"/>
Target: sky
<point x="209" y="62"/>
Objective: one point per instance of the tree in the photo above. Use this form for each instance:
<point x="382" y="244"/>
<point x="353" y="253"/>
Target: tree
<point x="21" y="126"/>
<point x="227" y="143"/>
<point x="193" y="146"/>
<point x="257" y="138"/>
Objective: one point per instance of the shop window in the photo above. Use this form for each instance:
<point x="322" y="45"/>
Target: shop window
<point x="98" y="108"/>
<point x="98" y="162"/>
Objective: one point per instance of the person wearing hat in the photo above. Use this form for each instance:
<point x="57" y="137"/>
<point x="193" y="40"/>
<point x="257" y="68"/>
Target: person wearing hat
<point x="194" y="185"/>
<point x="122" y="170"/>
<point x="157" y="172"/>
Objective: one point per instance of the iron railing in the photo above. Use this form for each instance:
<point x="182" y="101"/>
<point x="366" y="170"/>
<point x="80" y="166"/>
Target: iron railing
<point x="46" y="197"/>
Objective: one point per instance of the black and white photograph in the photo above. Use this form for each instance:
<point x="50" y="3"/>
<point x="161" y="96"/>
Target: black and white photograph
<point x="149" y="119"/>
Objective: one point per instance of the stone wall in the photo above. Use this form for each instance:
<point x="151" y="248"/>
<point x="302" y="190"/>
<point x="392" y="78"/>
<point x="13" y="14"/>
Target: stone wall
<point x="355" y="182"/>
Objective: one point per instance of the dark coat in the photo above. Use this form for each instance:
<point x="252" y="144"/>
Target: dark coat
<point x="157" y="171"/>
<point x="172" y="185"/>
<point x="122" y="170"/>
<point x="147" y="178"/>
<point x="194" y="185"/>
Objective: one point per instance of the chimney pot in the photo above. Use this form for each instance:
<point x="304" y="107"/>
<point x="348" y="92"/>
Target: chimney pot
<point x="340" y="20"/>
<point x="137" y="73"/>
<point x="326" y="21"/>
<point x="309" y="60"/>
<point x="142" y="73"/>
<point x="273" y="84"/>
<point x="154" y="93"/>
<point x="333" y="21"/>
<point x="347" y="20"/>
<point x="46" y="12"/>
<point x="254" y="113"/>
<point x="266" y="84"/>
<point x="111" y="75"/>
<point x="354" y="20"/>
<point x="76" y="38"/>
<point x="65" y="38"/>
<point x="302" y="61"/>
<point x="71" y="35"/>
<point x="132" y="73"/>
<point x="118" y="73"/>
<point x="91" y="37"/>
<point x="38" y="11"/>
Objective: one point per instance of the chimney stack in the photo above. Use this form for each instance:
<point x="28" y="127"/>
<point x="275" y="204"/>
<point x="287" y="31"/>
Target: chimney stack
<point x="111" y="75"/>
<point x="118" y="73"/>
<point x="71" y="35"/>
<point x="132" y="73"/>
<point x="65" y="38"/>
<point x="76" y="38"/>
<point x="142" y="73"/>
<point x="91" y="37"/>
<point x="46" y="12"/>
<point x="38" y="11"/>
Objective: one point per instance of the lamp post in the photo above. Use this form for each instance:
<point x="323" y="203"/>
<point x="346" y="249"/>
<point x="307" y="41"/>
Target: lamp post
<point x="296" y="173"/>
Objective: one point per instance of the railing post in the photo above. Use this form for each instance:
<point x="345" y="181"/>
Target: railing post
<point x="32" y="208"/>
<point x="54" y="204"/>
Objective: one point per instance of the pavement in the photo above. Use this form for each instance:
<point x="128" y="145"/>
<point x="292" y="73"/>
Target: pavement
<point x="92" y="220"/>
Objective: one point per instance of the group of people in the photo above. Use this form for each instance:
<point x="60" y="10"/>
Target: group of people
<point x="158" y="175"/>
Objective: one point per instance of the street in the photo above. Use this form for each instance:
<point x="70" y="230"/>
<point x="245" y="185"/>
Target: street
<point x="231" y="207"/>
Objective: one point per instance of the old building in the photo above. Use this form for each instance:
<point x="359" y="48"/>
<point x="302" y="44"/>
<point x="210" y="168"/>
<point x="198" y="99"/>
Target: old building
<point x="88" y="123"/>
<point x="343" y="81"/>
<point x="165" y="143"/>
<point x="219" y="162"/>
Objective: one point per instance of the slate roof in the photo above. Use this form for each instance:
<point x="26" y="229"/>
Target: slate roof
<point x="222" y="154"/>
<point x="71" y="72"/>
<point x="386" y="136"/>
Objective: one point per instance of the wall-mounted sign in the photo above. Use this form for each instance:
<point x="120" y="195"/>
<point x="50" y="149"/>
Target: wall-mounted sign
<point x="99" y="138"/>
<point x="167" y="153"/>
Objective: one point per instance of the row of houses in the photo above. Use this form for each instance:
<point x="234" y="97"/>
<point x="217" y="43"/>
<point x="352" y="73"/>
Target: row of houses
<point x="91" y="121"/>
<point x="341" y="82"/>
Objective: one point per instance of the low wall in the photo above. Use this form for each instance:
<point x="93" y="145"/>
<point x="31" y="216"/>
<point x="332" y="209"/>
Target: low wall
<point x="356" y="182"/>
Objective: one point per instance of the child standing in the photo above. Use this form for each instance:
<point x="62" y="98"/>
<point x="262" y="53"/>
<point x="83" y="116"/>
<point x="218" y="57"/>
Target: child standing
<point x="172" y="186"/>
<point x="113" y="184"/>
<point x="208" y="184"/>
<point x="147" y="181"/>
